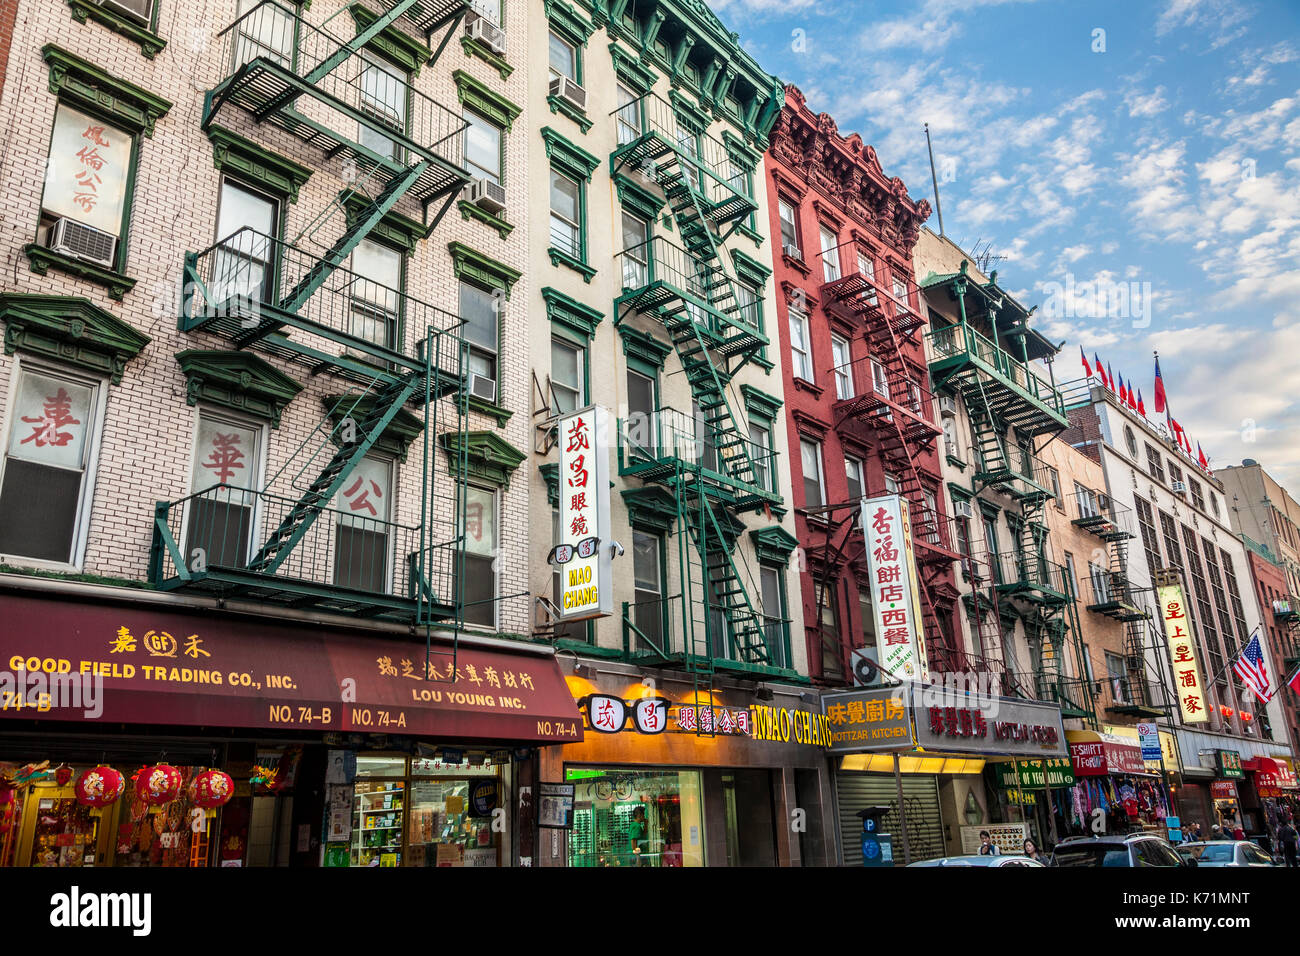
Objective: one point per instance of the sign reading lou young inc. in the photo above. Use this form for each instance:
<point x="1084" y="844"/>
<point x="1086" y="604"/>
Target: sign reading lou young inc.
<point x="582" y="552"/>
<point x="895" y="599"/>
<point x="948" y="719"/>
<point x="862" y="721"/>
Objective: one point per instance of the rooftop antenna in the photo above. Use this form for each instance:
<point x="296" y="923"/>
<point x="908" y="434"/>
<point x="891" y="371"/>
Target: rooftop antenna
<point x="938" y="208"/>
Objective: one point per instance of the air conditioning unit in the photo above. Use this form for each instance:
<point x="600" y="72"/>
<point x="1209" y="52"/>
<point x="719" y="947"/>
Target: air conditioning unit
<point x="140" y="10"/>
<point x="1103" y="503"/>
<point x="487" y="33"/>
<point x="73" y="238"/>
<point x="1179" y="487"/>
<point x="480" y="386"/>
<point x="963" y="509"/>
<point x="947" y="405"/>
<point x="792" y="251"/>
<point x="487" y="195"/>
<point x="570" y="92"/>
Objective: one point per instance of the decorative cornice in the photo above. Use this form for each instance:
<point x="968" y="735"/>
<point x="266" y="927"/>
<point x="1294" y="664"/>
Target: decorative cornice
<point x="689" y="111"/>
<point x="650" y="508"/>
<point x="80" y="82"/>
<point x="569" y="156"/>
<point x="639" y="201"/>
<point x="395" y="439"/>
<point x="568" y="20"/>
<point x="810" y="424"/>
<point x="473" y="47"/>
<point x="569" y="312"/>
<point x="561" y="258"/>
<point x="741" y="153"/>
<point x="641" y="345"/>
<point x="472" y="264"/>
<point x="70" y="329"/>
<point x="631" y="70"/>
<point x="394" y="229"/>
<point x="482" y="99"/>
<point x="773" y="545"/>
<point x="40" y="259"/>
<point x="231" y="152"/>
<point x="760" y="404"/>
<point x="469" y="210"/>
<point x="560" y="106"/>
<point x="550" y="472"/>
<point x="489" y="457"/>
<point x="150" y="43"/>
<point x="391" y="43"/>
<point x="237" y="380"/>
<point x="749" y="269"/>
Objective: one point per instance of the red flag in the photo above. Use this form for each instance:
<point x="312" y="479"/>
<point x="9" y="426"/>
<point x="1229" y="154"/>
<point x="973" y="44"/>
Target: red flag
<point x="1142" y="409"/>
<point x="1294" y="682"/>
<point x="1132" y="401"/>
<point x="1086" y="367"/>
<point x="1101" y="372"/>
<point x="1200" y="457"/>
<point x="1160" y="389"/>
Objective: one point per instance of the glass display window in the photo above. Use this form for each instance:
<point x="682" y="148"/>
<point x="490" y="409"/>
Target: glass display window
<point x="634" y="817"/>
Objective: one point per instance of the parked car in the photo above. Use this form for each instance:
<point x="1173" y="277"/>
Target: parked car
<point x="1225" y="853"/>
<point x="976" y="860"/>
<point x="1129" y="850"/>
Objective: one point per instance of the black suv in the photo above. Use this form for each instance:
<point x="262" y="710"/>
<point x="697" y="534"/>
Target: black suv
<point x="1133" y="849"/>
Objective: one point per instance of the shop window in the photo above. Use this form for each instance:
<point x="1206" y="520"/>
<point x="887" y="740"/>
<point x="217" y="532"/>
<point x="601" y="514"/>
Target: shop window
<point x="226" y="470"/>
<point x="362" y="545"/>
<point x="375" y="297"/>
<point x="634" y="817"/>
<point x="44" y="494"/>
<point x="481" y="586"/>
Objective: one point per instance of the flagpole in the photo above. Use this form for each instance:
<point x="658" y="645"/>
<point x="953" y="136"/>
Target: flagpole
<point x="1232" y="659"/>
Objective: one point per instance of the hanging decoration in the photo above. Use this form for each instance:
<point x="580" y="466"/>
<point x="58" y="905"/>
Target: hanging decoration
<point x="158" y="786"/>
<point x="210" y="790"/>
<point x="62" y="775"/>
<point x="99" y="787"/>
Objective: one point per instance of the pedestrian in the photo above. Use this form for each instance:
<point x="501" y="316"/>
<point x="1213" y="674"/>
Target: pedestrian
<point x="1031" y="850"/>
<point x="1289" y="840"/>
<point x="1216" y="832"/>
<point x="987" y="846"/>
<point x="1238" y="833"/>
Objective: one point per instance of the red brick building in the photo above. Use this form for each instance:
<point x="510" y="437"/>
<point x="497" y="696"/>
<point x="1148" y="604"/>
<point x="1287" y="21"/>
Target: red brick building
<point x="860" y="414"/>
<point x="1280" y="622"/>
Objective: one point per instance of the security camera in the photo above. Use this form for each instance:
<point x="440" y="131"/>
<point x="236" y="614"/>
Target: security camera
<point x="616" y="549"/>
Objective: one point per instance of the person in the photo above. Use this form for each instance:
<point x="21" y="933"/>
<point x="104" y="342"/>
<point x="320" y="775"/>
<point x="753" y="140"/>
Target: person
<point x="1031" y="850"/>
<point x="1216" y="832"/>
<point x="1288" y="839"/>
<point x="636" y="833"/>
<point x="987" y="846"/>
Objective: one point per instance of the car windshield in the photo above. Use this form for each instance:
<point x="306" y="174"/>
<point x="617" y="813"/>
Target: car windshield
<point x="1091" y="855"/>
<point x="1212" y="852"/>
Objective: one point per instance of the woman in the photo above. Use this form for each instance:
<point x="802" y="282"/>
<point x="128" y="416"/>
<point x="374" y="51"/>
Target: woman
<point x="1031" y="851"/>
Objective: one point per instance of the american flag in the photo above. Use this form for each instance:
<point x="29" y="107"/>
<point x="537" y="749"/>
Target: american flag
<point x="1250" y="668"/>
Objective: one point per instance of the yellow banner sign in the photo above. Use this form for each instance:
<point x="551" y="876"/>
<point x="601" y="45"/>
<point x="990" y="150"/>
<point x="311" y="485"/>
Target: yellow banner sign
<point x="1182" y="653"/>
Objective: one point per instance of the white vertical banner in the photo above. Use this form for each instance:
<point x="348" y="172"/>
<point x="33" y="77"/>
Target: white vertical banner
<point x="895" y="595"/>
<point x="582" y="552"/>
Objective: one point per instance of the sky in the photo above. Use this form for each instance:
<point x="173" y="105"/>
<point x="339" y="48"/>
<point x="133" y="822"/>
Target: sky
<point x="1136" y="165"/>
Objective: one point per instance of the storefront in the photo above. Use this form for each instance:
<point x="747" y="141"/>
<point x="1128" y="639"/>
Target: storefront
<point x="669" y="775"/>
<point x="1272" y="787"/>
<point x="326" y="746"/>
<point x="1211" y="758"/>
<point x="1117" y="791"/>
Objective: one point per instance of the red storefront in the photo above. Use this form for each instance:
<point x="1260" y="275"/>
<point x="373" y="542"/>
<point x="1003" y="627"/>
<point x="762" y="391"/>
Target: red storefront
<point x="343" y="746"/>
<point x="861" y="419"/>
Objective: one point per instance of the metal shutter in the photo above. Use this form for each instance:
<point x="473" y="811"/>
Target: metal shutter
<point x="921" y="800"/>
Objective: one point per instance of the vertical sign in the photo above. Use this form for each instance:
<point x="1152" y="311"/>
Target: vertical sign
<point x="894" y="595"/>
<point x="1182" y="649"/>
<point x="582" y="553"/>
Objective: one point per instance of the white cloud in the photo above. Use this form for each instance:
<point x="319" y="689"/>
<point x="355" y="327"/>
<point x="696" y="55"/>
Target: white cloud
<point x="1148" y="104"/>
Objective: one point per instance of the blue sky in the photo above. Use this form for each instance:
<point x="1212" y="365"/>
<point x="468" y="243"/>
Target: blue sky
<point x="1168" y="155"/>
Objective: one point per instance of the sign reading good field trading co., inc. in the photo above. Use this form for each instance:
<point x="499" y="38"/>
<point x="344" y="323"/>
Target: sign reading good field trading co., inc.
<point x="1182" y="648"/>
<point x="582" y="554"/>
<point x="895" y="598"/>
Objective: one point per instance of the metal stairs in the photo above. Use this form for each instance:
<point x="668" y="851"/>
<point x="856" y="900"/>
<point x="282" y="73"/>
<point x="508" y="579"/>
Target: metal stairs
<point x="724" y="590"/>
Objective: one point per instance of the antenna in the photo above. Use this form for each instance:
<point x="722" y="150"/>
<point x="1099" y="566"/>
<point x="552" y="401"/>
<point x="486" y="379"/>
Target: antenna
<point x="934" y="179"/>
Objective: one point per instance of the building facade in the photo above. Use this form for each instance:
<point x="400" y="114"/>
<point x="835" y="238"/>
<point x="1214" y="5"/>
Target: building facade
<point x="1269" y="582"/>
<point x="1264" y="511"/>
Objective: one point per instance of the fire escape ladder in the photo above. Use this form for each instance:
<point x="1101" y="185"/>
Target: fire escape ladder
<point x="990" y="444"/>
<point x="724" y="590"/>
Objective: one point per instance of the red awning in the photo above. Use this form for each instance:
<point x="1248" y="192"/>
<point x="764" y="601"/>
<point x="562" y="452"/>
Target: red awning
<point x="166" y="667"/>
<point x="1264" y="765"/>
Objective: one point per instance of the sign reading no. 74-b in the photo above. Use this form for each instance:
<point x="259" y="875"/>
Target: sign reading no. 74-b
<point x="582" y="551"/>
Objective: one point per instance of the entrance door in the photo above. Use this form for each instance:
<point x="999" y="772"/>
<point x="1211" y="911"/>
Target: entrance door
<point x="57" y="831"/>
<point x="750" y="821"/>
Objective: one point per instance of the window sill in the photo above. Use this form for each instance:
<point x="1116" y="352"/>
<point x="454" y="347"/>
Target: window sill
<point x="491" y="409"/>
<point x="470" y="211"/>
<point x="956" y="462"/>
<point x="750" y="233"/>
<point x="475" y="48"/>
<point x="150" y="43"/>
<point x="572" y="112"/>
<point x="41" y="259"/>
<point x="763" y="363"/>
<point x="804" y="385"/>
<point x="797" y="264"/>
<point x="561" y="258"/>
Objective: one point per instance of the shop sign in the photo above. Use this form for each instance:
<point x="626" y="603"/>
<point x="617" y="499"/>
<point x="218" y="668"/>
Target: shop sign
<point x="555" y="805"/>
<point x="723" y="721"/>
<point x="1009" y="838"/>
<point x="1149" y="739"/>
<point x="483" y="796"/>
<point x="1055" y="773"/>
<point x="862" y="721"/>
<point x="1227" y="763"/>
<point x="607" y="714"/>
<point x="895" y="598"/>
<point x="786" y="724"/>
<point x="1223" y="790"/>
<point x="1182" y="649"/>
<point x="582" y="554"/>
<point x="1104" y="755"/>
<point x="949" y="719"/>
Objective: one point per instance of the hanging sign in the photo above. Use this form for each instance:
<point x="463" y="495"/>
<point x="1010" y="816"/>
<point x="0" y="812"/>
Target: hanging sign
<point x="1182" y="649"/>
<point x="582" y="553"/>
<point x="895" y="597"/>
<point x="85" y="178"/>
<point x="1149" y="738"/>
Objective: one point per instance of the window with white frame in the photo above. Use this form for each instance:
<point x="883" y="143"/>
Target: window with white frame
<point x="748" y="305"/>
<point x="1116" y="674"/>
<point x="479" y="308"/>
<point x="226" y="469"/>
<point x="760" y="437"/>
<point x="44" y="496"/>
<point x="879" y="378"/>
<point x="773" y="613"/>
<point x="867" y="268"/>
<point x="264" y="30"/>
<point x="854" y="477"/>
<point x="628" y="118"/>
<point x="480" y="531"/>
<point x="563" y="57"/>
<point x="814" y="485"/>
<point x="384" y="97"/>
<point x="800" y="349"/>
<point x="900" y="290"/>
<point x="830" y="254"/>
<point x="566" y="214"/>
<point x="247" y="224"/>
<point x="568" y="376"/>
<point x="375" y="299"/>
<point x="362" y="545"/>
<point x="483" y="152"/>
<point x="891" y="484"/>
<point x="636" y="251"/>
<point x="843" y="371"/>
<point x="647" y="586"/>
<point x="789" y="227"/>
<point x="1087" y="501"/>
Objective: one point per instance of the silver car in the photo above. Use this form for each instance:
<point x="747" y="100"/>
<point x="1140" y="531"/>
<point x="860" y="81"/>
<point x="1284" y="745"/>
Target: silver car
<point x="977" y="860"/>
<point x="1225" y="853"/>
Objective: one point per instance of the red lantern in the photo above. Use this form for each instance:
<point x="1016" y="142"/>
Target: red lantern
<point x="211" y="789"/>
<point x="158" y="785"/>
<point x="1246" y="715"/>
<point x="99" y="787"/>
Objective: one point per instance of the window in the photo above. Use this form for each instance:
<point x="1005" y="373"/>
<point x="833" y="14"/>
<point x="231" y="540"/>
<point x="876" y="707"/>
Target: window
<point x="375" y="298"/>
<point x="220" y="520"/>
<point x="866" y="266"/>
<point x="891" y="484"/>
<point x="482" y="148"/>
<point x="480" y="531"/>
<point x="641" y="405"/>
<point x="1175" y="473"/>
<point x="760" y="438"/>
<point x="636" y="251"/>
<point x="1198" y="499"/>
<point x="1150" y="543"/>
<point x="628" y="118"/>
<point x="361" y="544"/>
<point x="1154" y="468"/>
<point x="1101" y="589"/>
<point x="800" y="350"/>
<point x="930" y="516"/>
<point x="749" y="306"/>
<point x="647" y="574"/>
<point x="789" y="228"/>
<point x="900" y="290"/>
<point x="564" y="58"/>
<point x="478" y="307"/>
<point x="43" y="487"/>
<point x="853" y="475"/>
<point x="832" y="657"/>
<point x="1070" y="569"/>
<point x="1172" y="548"/>
<point x="1054" y="480"/>
<point x="1087" y="501"/>
<point x="265" y="30"/>
<point x="384" y="95"/>
<point x="568" y="376"/>
<point x="814" y="488"/>
<point x="774" y="613"/>
<point x="990" y="536"/>
<point x="879" y="379"/>
<point x="247" y="223"/>
<point x="842" y="370"/>
<point x="1131" y="441"/>
<point x="566" y="214"/>
<point x="830" y="254"/>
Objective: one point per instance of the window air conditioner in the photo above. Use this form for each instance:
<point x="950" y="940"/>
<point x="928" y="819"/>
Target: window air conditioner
<point x="947" y="405"/>
<point x="1179" y="487"/>
<point x="141" y="10"/>
<point x="487" y="33"/>
<point x="487" y="195"/>
<point x="480" y="386"/>
<point x="569" y="91"/>
<point x="963" y="509"/>
<point x="792" y="251"/>
<point x="73" y="238"/>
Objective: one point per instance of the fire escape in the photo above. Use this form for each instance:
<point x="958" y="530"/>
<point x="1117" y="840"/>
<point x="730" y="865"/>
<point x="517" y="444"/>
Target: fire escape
<point x="301" y="302"/>
<point x="889" y="397"/>
<point x="702" y="457"/>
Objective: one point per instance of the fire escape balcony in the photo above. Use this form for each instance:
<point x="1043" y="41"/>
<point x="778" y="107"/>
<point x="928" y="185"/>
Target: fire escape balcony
<point x="1010" y="389"/>
<point x="887" y="393"/>
<point x="319" y="87"/>
<point x="1069" y="693"/>
<point x="857" y="297"/>
<point x="672" y="448"/>
<point x="671" y="633"/>
<point x="1029" y="575"/>
<point x="1100" y="515"/>
<point x="1111" y="593"/>
<point x="934" y="535"/>
<point x="346" y="563"/>
<point x="1021" y="475"/>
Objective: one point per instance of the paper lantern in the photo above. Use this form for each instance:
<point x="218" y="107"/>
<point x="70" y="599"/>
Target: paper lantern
<point x="158" y="785"/>
<point x="99" y="787"/>
<point x="211" y="789"/>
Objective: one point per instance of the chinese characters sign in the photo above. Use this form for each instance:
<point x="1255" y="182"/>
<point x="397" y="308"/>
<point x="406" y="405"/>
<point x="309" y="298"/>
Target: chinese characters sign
<point x="50" y="427"/>
<point x="1182" y="652"/>
<point x="862" y="721"/>
<point x="725" y="721"/>
<point x="608" y="715"/>
<point x="894" y="596"/>
<point x="225" y="454"/>
<point x="86" y="176"/>
<point x="363" y="500"/>
<point x="585" y="574"/>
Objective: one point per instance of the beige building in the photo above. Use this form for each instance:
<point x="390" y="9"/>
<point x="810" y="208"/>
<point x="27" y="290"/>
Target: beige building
<point x="1263" y="510"/>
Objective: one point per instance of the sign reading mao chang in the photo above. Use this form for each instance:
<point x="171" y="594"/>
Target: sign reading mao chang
<point x="582" y="553"/>
<point x="949" y="719"/>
